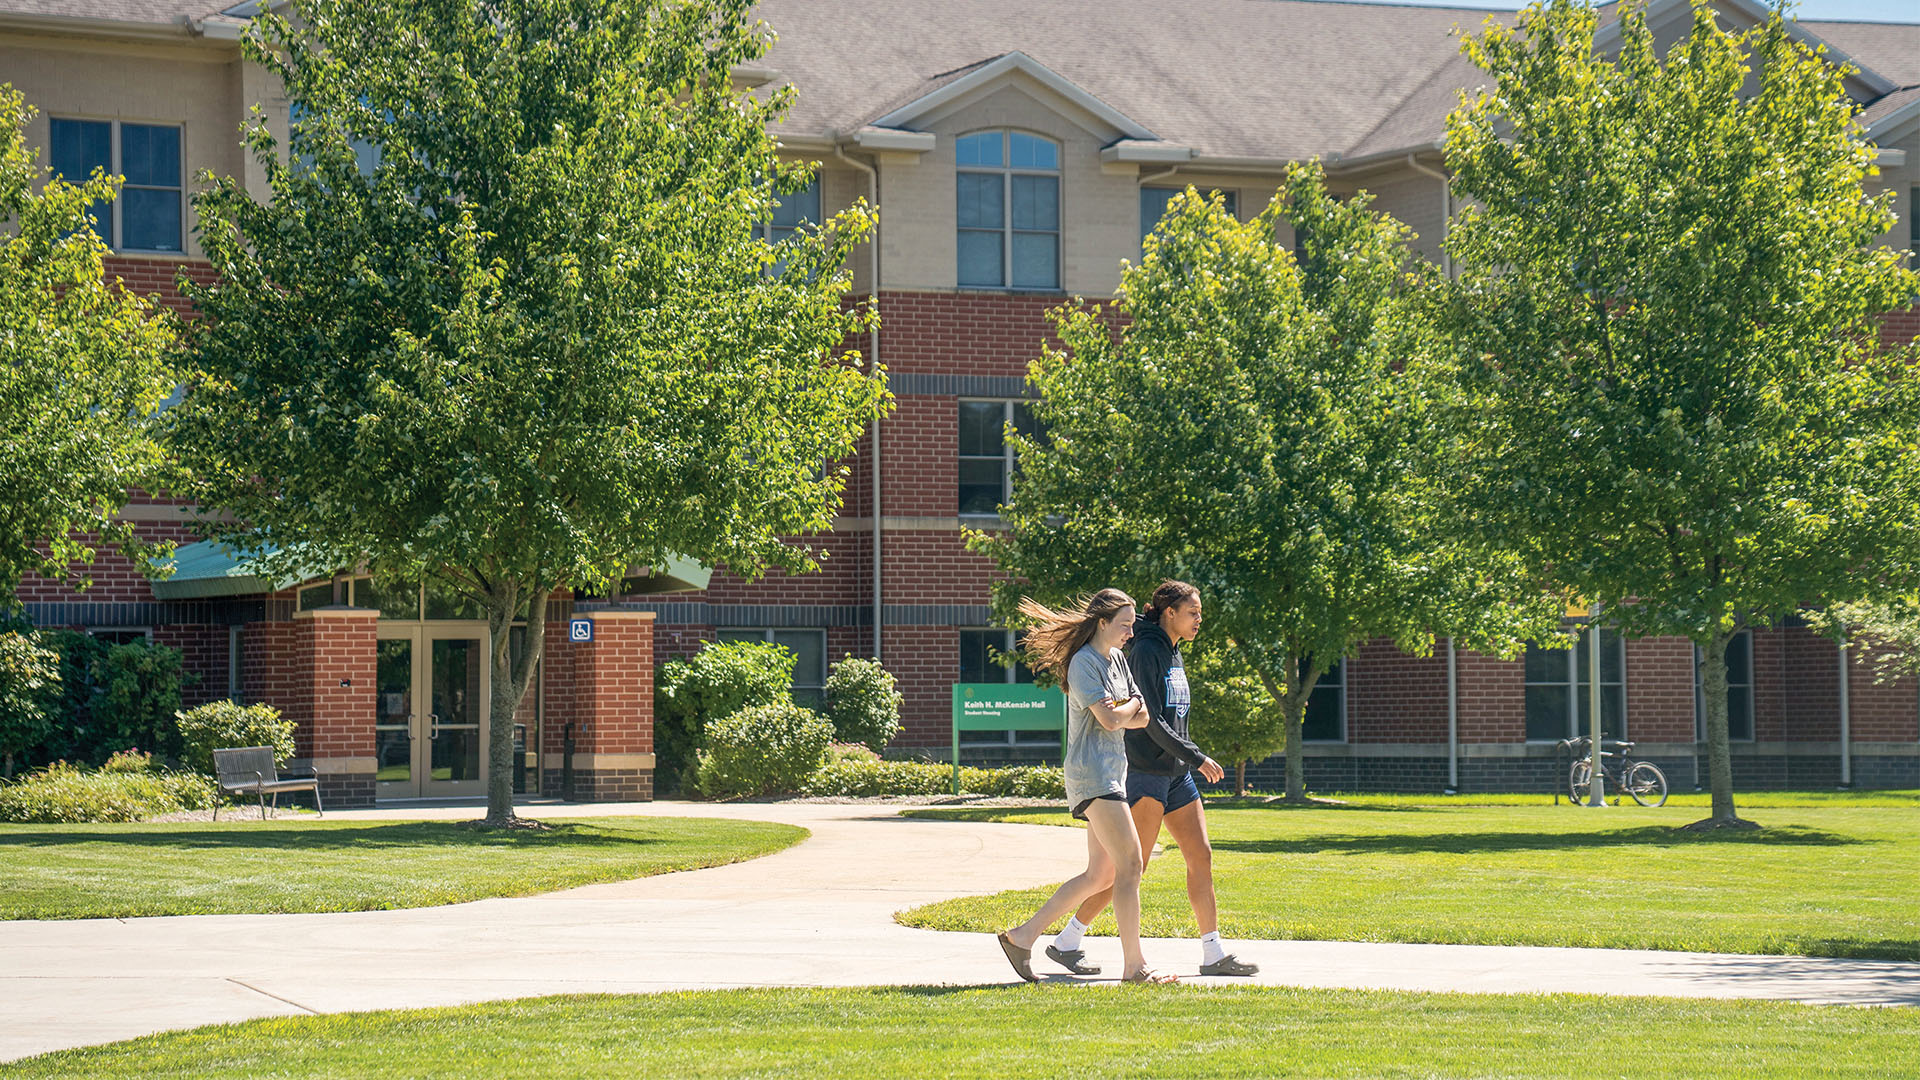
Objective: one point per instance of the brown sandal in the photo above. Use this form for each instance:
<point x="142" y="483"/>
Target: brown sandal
<point x="1020" y="958"/>
<point x="1149" y="976"/>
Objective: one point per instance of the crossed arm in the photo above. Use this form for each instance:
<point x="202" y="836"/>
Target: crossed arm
<point x="1131" y="713"/>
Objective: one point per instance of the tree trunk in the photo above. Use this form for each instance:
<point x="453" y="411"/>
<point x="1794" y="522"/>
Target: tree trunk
<point x="509" y="686"/>
<point x="1713" y="692"/>
<point x="1239" y="777"/>
<point x="1293" y="710"/>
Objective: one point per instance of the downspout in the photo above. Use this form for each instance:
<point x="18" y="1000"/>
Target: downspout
<point x="1846" y="722"/>
<point x="873" y="359"/>
<point x="1446" y="210"/>
<point x="1453" y="722"/>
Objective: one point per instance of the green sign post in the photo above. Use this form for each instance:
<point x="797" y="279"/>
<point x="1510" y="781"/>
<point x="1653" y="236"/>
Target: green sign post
<point x="1006" y="707"/>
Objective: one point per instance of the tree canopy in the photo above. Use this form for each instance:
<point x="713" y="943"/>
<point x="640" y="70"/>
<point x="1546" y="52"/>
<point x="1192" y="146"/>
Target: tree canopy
<point x="1670" y="396"/>
<point x="508" y="320"/>
<point x="1253" y="429"/>
<point x="84" y="366"/>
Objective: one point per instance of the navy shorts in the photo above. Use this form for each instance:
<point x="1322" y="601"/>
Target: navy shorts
<point x="1171" y="792"/>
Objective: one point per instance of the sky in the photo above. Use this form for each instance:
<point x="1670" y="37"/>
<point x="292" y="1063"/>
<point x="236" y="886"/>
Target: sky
<point x="1901" y="11"/>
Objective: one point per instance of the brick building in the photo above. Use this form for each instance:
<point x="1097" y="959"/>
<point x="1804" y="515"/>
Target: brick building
<point x="1018" y="152"/>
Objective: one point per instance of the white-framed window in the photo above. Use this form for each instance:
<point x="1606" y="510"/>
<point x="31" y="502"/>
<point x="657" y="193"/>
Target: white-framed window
<point x="987" y="460"/>
<point x="1558" y="687"/>
<point x="981" y="650"/>
<point x="152" y="204"/>
<point x="1739" y="689"/>
<point x="1007" y="202"/>
<point x="1154" y="200"/>
<point x="792" y="213"/>
<point x="809" y="649"/>
<point x="1326" y="715"/>
<point x="120" y="635"/>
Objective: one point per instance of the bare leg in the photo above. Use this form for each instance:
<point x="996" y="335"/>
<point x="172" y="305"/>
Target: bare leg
<point x="1098" y="875"/>
<point x="1189" y="828"/>
<point x="1146" y="822"/>
<point x="1113" y="857"/>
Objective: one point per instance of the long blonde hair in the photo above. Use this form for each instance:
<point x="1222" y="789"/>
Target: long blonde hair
<point x="1055" y="635"/>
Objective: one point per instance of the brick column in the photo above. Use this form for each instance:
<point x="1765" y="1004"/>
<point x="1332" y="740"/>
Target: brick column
<point x="613" y="708"/>
<point x="334" y="665"/>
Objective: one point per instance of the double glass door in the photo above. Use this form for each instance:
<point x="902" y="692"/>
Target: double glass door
<point x="428" y="737"/>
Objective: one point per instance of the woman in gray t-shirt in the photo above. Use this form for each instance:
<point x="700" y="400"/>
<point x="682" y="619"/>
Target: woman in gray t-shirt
<point x="1082" y="647"/>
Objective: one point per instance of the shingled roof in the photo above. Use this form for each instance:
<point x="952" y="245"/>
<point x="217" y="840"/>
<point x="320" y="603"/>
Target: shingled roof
<point x="1253" y="79"/>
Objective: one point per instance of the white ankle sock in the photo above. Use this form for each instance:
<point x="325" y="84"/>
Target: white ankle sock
<point x="1210" y="948"/>
<point x="1069" y="937"/>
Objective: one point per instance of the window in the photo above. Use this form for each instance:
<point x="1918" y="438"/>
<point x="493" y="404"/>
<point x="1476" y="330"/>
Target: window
<point x="809" y="648"/>
<point x="979" y="664"/>
<point x="147" y="215"/>
<point x="1739" y="689"/>
<point x="792" y="213"/>
<point x="1326" y="716"/>
<point x="1913" y="226"/>
<point x="1008" y="209"/>
<point x="1558" y="685"/>
<point x="118" y="635"/>
<point x="987" y="460"/>
<point x="1154" y="200"/>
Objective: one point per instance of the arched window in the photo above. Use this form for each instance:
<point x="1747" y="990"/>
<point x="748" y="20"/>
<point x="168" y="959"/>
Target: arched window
<point x="1008" y="202"/>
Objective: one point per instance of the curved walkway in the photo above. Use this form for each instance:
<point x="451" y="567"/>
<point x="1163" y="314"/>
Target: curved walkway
<point x="817" y="914"/>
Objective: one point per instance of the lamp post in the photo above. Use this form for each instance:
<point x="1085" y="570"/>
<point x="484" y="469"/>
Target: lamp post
<point x="1596" y="780"/>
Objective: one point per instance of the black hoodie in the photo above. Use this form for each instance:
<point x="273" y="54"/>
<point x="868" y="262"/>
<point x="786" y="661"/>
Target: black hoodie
<point x="1162" y="747"/>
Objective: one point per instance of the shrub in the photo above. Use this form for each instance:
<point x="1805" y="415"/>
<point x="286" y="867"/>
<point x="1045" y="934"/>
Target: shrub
<point x="872" y="778"/>
<point x="29" y="694"/>
<point x="856" y="778"/>
<point x="862" y="703"/>
<point x="838" y="752"/>
<point x="1234" y="718"/>
<point x="129" y="789"/>
<point x="113" y="697"/>
<point x="763" y="749"/>
<point x="220" y="725"/>
<point x="1016" y="782"/>
<point x="691" y="694"/>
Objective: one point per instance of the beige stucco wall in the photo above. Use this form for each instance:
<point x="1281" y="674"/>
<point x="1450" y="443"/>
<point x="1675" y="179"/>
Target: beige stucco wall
<point x="196" y="85"/>
<point x="1902" y="180"/>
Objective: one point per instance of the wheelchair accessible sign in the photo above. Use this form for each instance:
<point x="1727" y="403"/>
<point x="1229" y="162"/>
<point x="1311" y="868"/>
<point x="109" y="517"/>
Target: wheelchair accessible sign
<point x="580" y="630"/>
<point x="1006" y="707"/>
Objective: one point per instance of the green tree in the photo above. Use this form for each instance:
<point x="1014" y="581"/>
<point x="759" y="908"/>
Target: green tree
<point x="29" y="691"/>
<point x="1232" y="717"/>
<point x="84" y="365"/>
<point x="505" y="324"/>
<point x="1251" y="430"/>
<point x="1671" y="397"/>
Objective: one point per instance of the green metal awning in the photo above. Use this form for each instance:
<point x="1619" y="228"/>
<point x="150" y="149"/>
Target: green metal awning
<point x="210" y="568"/>
<point x="678" y="574"/>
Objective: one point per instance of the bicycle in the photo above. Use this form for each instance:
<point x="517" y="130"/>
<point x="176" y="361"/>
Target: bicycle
<point x="1641" y="779"/>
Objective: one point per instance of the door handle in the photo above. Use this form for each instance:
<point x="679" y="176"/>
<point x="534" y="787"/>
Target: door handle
<point x="433" y="726"/>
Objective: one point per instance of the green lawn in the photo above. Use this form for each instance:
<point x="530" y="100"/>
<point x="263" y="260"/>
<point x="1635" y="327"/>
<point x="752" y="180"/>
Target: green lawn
<point x="290" y="865"/>
<point x="1050" y="1032"/>
<point x="1840" y="878"/>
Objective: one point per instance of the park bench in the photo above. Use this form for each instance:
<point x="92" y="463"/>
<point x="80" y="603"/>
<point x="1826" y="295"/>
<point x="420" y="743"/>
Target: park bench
<point x="250" y="769"/>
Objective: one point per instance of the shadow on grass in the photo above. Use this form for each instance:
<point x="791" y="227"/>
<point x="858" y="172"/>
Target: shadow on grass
<point x="1480" y="843"/>
<point x="398" y="835"/>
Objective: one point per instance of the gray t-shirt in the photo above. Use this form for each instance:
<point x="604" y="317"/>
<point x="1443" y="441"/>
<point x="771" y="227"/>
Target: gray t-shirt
<point x="1096" y="762"/>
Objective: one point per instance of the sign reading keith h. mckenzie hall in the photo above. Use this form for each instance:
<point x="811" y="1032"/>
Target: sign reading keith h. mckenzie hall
<point x="1005" y="707"/>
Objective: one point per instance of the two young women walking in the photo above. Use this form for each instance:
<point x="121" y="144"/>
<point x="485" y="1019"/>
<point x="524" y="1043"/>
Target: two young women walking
<point x="1129" y="768"/>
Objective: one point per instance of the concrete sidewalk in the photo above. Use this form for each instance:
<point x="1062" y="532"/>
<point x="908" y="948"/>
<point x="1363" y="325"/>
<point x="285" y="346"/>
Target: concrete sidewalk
<point x="818" y="914"/>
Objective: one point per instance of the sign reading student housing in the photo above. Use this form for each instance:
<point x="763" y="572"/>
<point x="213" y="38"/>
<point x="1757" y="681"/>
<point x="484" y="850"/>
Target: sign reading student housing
<point x="1006" y="707"/>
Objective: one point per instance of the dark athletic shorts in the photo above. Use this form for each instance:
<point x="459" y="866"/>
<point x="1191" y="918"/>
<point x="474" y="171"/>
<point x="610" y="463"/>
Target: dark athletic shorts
<point x="1172" y="792"/>
<point x="1080" y="811"/>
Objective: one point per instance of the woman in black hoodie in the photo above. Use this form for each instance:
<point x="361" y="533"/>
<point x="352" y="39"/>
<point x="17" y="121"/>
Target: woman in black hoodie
<point x="1161" y="761"/>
